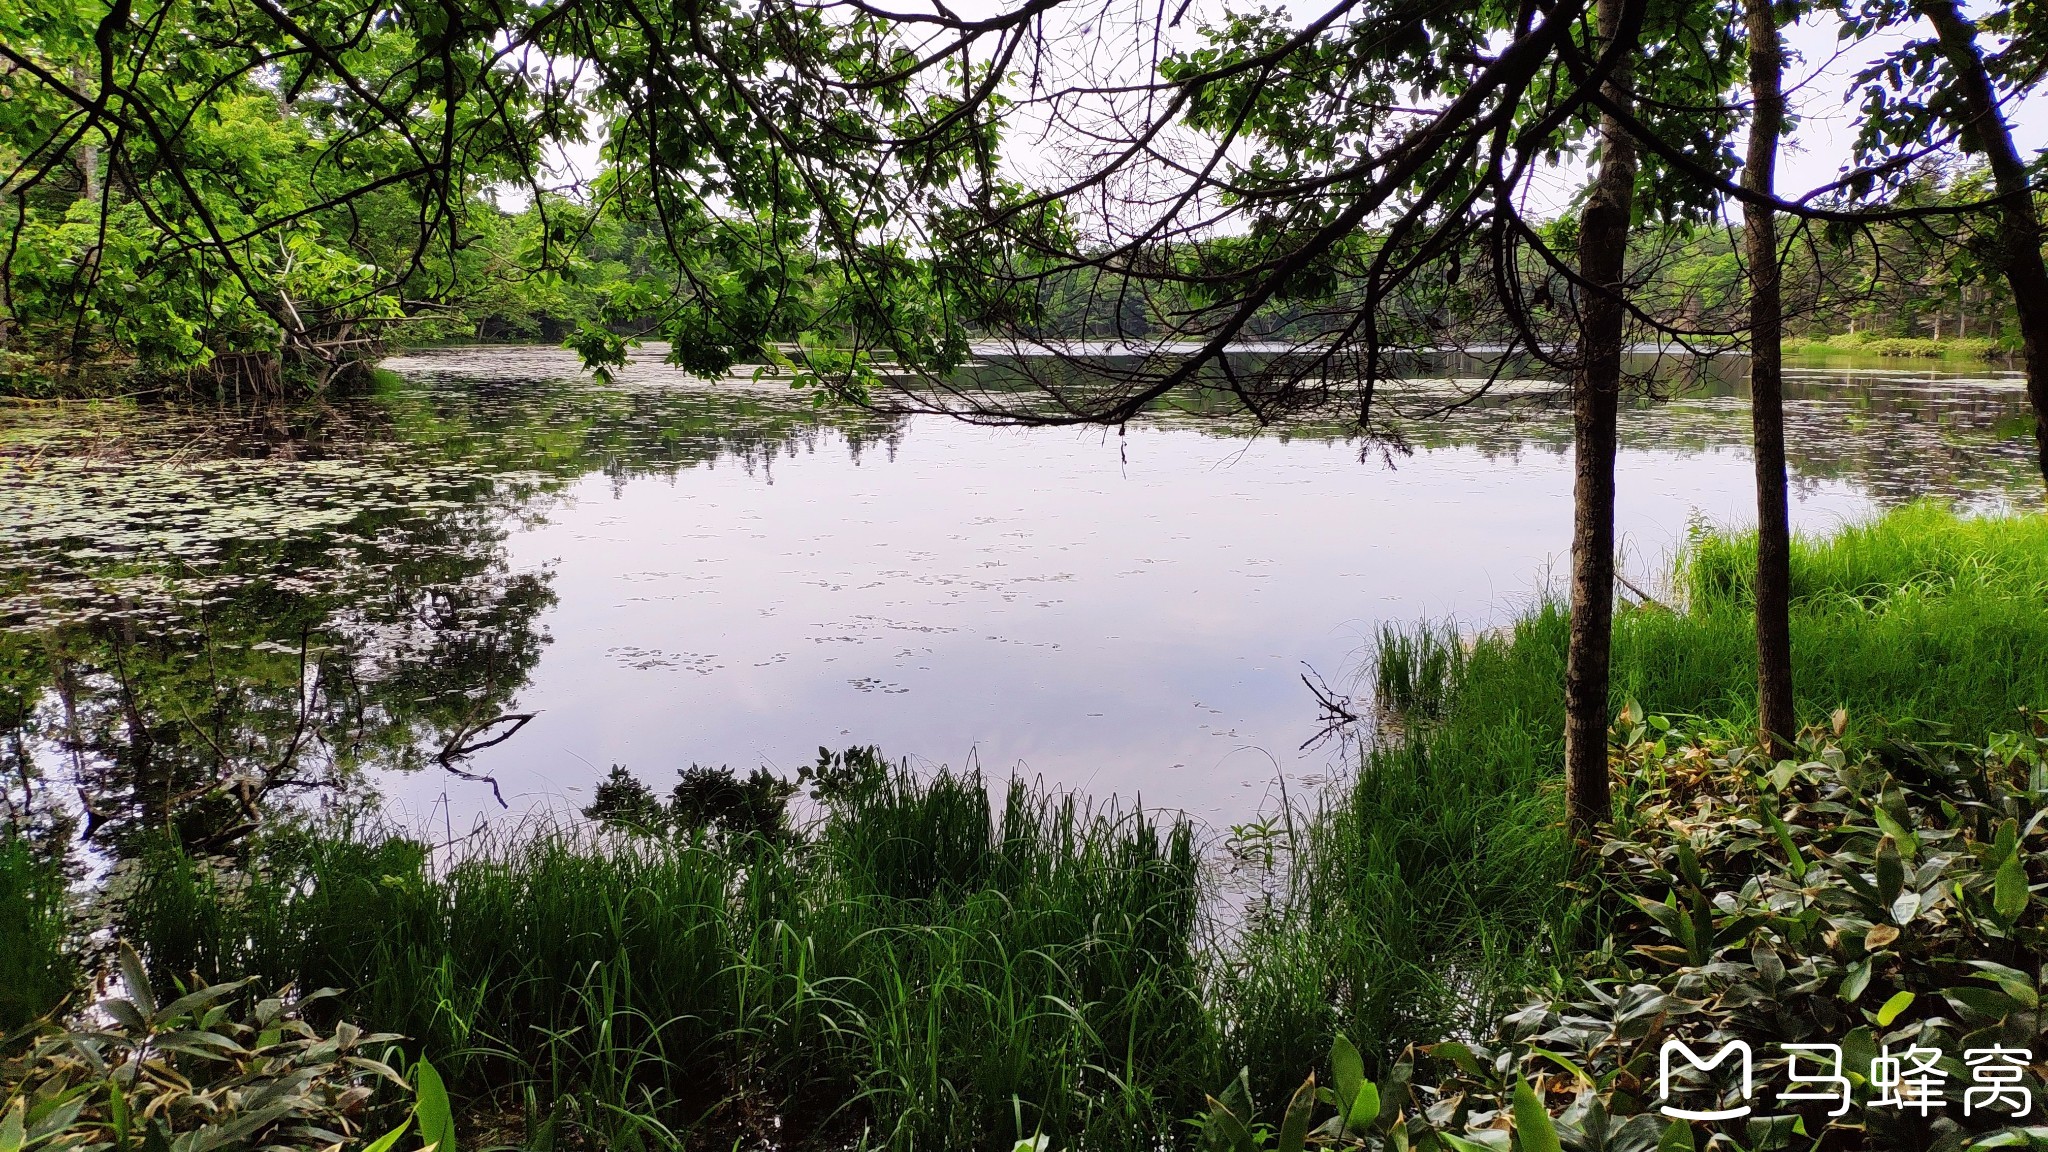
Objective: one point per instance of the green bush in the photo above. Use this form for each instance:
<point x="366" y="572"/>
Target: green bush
<point x="216" y="1068"/>
<point x="915" y="965"/>
<point x="36" y="972"/>
<point x="1922" y="347"/>
<point x="1875" y="897"/>
<point x="1432" y="890"/>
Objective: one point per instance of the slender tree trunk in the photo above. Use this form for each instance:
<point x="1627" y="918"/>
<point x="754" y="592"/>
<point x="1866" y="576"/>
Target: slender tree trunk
<point x="87" y="156"/>
<point x="1767" y="385"/>
<point x="1603" y="248"/>
<point x="2019" y="225"/>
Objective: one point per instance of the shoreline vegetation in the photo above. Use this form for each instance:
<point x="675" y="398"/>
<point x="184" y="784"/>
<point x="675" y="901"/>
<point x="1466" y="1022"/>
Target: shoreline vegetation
<point x="112" y="383"/>
<point x="1866" y="343"/>
<point x="936" y="961"/>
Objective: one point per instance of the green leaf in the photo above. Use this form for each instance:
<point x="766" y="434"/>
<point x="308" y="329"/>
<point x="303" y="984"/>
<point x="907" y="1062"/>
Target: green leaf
<point x="125" y="1014"/>
<point x="1889" y="1012"/>
<point x="383" y="1143"/>
<point x="1365" y="1108"/>
<point x="1855" y="981"/>
<point x="1988" y="1003"/>
<point x="1294" y="1125"/>
<point x="1908" y="844"/>
<point x="436" y="1116"/>
<point x="1460" y="1144"/>
<point x="1565" y="1064"/>
<point x="1532" y="1121"/>
<point x="2011" y="981"/>
<point x="1677" y="1137"/>
<point x="2009" y="890"/>
<point x="203" y="998"/>
<point x="1461" y="1055"/>
<point x="1347" y="1068"/>
<point x="14" y="1128"/>
<point x="1689" y="866"/>
<point x="1891" y="873"/>
<point x="1224" y="1132"/>
<point x="117" y="1114"/>
<point x="136" y="977"/>
<point x="1793" y="859"/>
<point x="1859" y="1048"/>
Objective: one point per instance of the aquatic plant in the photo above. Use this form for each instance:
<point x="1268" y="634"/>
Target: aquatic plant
<point x="916" y="964"/>
<point x="36" y="968"/>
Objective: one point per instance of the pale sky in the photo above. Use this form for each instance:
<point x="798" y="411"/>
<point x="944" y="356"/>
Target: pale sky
<point x="1115" y="39"/>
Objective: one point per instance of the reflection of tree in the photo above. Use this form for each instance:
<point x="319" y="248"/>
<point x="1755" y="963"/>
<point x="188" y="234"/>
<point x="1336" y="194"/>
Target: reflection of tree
<point x="1898" y="435"/>
<point x="188" y="719"/>
<point x="183" y="693"/>
<point x="186" y="692"/>
<point x="526" y="410"/>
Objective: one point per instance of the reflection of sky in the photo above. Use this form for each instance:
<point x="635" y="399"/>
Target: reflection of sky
<point x="1029" y="599"/>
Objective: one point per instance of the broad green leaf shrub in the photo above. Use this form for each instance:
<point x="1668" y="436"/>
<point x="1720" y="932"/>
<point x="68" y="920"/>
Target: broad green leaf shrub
<point x="220" y="1067"/>
<point x="1876" y="898"/>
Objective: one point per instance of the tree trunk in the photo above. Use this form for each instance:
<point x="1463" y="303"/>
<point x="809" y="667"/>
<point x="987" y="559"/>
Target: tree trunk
<point x="2019" y="225"/>
<point x="1603" y="248"/>
<point x="1767" y="386"/>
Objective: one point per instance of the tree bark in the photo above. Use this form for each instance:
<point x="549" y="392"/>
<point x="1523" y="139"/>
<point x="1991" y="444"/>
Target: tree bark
<point x="2019" y="224"/>
<point x="1775" y="716"/>
<point x="1603" y="249"/>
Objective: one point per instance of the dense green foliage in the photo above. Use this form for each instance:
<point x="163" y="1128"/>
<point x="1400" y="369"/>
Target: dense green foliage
<point x="36" y="971"/>
<point x="244" y="194"/>
<point x="1427" y="895"/>
<point x="259" y="197"/>
<point x="220" y="1066"/>
<point x="911" y="967"/>
<point x="1876" y="895"/>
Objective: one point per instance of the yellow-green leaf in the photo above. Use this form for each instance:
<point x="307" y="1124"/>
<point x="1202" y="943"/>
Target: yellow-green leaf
<point x="2009" y="890"/>
<point x="1294" y="1126"/>
<point x="1532" y="1121"/>
<point x="436" y="1115"/>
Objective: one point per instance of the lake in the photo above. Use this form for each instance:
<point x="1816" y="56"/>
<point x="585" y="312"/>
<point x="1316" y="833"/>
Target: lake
<point x="474" y="589"/>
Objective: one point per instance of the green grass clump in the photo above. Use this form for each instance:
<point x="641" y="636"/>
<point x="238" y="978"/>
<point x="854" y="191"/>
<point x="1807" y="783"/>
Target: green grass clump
<point x="914" y="966"/>
<point x="1971" y="348"/>
<point x="1426" y="894"/>
<point x="36" y="972"/>
<point x="1920" y="617"/>
<point x="1432" y="888"/>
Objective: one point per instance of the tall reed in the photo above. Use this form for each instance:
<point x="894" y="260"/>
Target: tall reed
<point x="917" y="967"/>
<point x="35" y="967"/>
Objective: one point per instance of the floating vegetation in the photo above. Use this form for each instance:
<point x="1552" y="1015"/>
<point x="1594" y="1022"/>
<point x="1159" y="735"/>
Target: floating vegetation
<point x="87" y="539"/>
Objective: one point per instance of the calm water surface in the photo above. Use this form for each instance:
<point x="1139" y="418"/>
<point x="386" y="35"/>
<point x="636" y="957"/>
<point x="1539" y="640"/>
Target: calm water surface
<point x="664" y="571"/>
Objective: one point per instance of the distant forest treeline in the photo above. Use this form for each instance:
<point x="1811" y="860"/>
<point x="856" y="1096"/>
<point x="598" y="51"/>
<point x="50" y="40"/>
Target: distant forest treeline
<point x="333" y="268"/>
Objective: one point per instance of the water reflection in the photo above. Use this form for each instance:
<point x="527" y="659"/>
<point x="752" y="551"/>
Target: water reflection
<point x="492" y="566"/>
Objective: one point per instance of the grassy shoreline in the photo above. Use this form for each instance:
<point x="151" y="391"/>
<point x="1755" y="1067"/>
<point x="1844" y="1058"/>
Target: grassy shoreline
<point x="1976" y="349"/>
<point x="929" y="967"/>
